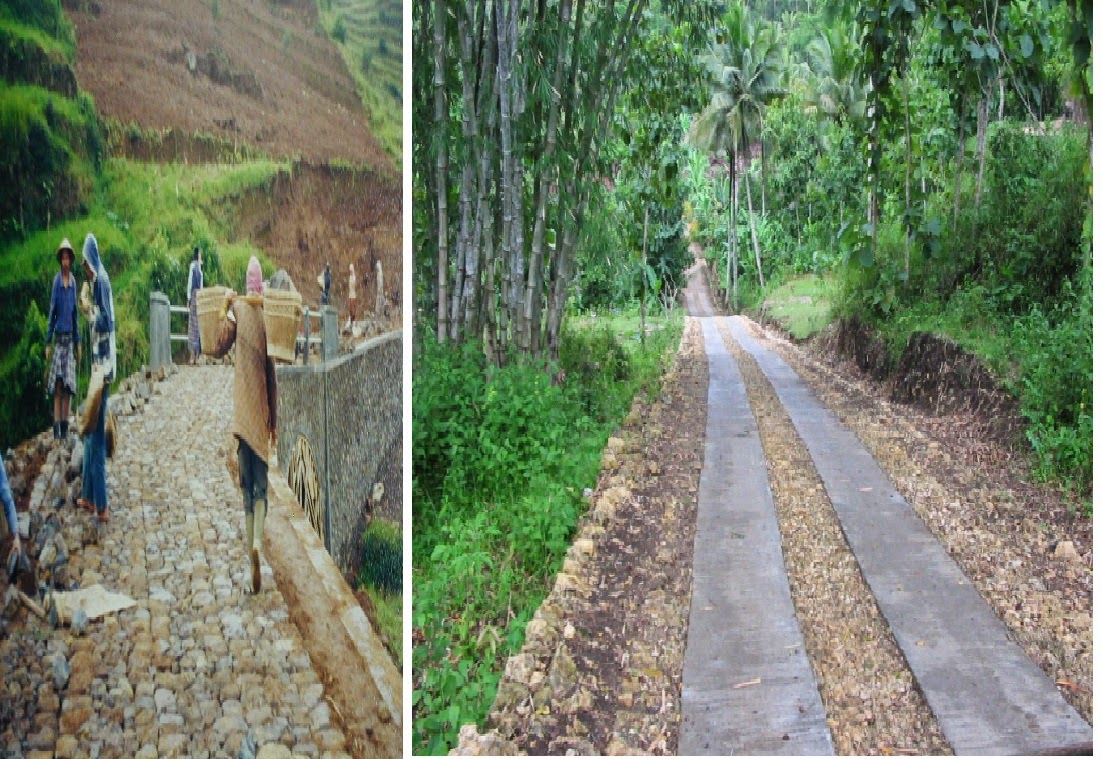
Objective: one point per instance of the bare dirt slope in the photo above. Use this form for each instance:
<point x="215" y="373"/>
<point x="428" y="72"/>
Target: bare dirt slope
<point x="331" y="215"/>
<point x="257" y="71"/>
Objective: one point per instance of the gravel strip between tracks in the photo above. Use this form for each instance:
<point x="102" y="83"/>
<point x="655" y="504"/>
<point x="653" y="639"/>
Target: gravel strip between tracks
<point x="976" y="497"/>
<point x="872" y="701"/>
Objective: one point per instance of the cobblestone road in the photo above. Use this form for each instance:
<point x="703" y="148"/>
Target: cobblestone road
<point x="196" y="665"/>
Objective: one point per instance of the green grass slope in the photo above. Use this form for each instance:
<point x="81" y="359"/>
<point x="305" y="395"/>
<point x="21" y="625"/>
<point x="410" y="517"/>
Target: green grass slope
<point x="369" y="34"/>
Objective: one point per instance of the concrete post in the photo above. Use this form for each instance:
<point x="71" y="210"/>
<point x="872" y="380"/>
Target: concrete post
<point x="380" y="298"/>
<point x="329" y="341"/>
<point x="160" y="334"/>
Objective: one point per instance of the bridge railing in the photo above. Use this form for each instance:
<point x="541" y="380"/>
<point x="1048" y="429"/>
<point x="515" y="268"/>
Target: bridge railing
<point x="161" y="335"/>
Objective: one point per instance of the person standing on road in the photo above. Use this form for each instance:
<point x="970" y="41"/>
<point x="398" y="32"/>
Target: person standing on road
<point x="255" y="399"/>
<point x="89" y="311"/>
<point x="194" y="284"/>
<point x="104" y="354"/>
<point x="64" y="333"/>
<point x="325" y="282"/>
<point x="351" y="294"/>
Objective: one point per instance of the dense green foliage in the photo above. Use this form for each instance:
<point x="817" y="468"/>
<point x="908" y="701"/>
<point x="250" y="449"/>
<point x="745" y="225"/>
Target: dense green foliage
<point x="23" y="373"/>
<point x="972" y="218"/>
<point x="500" y="460"/>
<point x="49" y="133"/>
<point x="381" y="567"/>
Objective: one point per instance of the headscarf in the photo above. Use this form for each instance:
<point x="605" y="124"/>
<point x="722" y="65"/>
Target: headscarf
<point x="254" y="277"/>
<point x="105" y="301"/>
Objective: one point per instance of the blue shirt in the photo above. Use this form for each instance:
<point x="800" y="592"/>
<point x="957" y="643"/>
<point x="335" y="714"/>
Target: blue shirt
<point x="63" y="309"/>
<point x="9" y="503"/>
<point x="194" y="279"/>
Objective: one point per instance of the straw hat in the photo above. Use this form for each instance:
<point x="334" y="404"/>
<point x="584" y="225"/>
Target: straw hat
<point x="66" y="245"/>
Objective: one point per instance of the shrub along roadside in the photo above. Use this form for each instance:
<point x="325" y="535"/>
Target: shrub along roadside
<point x="381" y="579"/>
<point x="1010" y="281"/>
<point x="501" y="458"/>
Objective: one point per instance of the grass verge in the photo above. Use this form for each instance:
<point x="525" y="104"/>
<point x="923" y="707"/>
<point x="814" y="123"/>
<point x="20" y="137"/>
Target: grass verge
<point x="802" y="306"/>
<point x="501" y="460"/>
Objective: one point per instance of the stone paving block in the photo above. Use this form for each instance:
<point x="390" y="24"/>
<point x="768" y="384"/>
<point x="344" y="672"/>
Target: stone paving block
<point x="177" y="673"/>
<point x="172" y="745"/>
<point x="66" y="747"/>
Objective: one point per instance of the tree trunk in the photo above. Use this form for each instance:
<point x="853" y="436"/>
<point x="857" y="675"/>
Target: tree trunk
<point x="441" y="177"/>
<point x="981" y="141"/>
<point x="467" y="243"/>
<point x="754" y="232"/>
<point x="873" y="212"/>
<point x="763" y="175"/>
<point x="510" y="193"/>
<point x="1002" y="97"/>
<point x="643" y="273"/>
<point x="732" y="234"/>
<point x="462" y="247"/>
<point x="565" y="268"/>
<point x="533" y="306"/>
<point x="960" y="163"/>
<point x="907" y="179"/>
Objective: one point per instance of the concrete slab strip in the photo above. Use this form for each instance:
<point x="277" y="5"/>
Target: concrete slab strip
<point x="747" y="686"/>
<point x="987" y="695"/>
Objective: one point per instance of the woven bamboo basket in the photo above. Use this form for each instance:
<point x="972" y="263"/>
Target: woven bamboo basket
<point x="208" y="304"/>
<point x="282" y="315"/>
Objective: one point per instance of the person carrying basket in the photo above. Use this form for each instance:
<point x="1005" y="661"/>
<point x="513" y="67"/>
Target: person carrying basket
<point x="255" y="400"/>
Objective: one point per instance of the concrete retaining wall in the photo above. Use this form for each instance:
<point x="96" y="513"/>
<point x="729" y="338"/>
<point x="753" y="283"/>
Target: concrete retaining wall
<point x="349" y="410"/>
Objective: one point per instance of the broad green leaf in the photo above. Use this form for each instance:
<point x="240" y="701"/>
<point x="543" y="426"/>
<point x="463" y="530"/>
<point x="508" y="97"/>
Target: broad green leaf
<point x="1027" y="46"/>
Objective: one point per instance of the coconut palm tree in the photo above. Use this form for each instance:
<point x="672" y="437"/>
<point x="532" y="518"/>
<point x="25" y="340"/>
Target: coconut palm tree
<point x="744" y="74"/>
<point x="833" y="58"/>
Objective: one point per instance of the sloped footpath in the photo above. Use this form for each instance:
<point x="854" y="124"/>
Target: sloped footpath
<point x="196" y="667"/>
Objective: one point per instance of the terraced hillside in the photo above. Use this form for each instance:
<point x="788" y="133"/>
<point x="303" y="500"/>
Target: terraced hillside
<point x="234" y="125"/>
<point x="253" y="71"/>
<point x="370" y="36"/>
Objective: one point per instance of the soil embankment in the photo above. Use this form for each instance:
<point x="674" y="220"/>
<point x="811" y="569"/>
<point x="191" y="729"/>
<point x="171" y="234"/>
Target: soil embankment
<point x="201" y="81"/>
<point x="321" y="214"/>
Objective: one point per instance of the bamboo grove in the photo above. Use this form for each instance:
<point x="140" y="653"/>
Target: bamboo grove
<point x="520" y="97"/>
